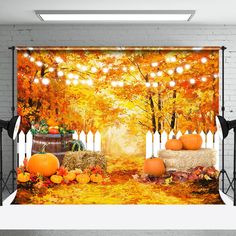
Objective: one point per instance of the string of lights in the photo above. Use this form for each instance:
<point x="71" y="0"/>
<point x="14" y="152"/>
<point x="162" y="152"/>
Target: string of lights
<point x="74" y="79"/>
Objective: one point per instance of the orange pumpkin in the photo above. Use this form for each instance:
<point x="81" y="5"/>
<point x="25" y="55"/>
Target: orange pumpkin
<point x="23" y="177"/>
<point x="56" y="179"/>
<point x="45" y="164"/>
<point x="96" y="178"/>
<point x="70" y="176"/>
<point x="83" y="178"/>
<point x="154" y="166"/>
<point x="191" y="141"/>
<point x="174" y="144"/>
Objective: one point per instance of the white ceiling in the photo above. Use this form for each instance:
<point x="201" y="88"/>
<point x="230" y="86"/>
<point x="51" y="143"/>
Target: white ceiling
<point x="207" y="11"/>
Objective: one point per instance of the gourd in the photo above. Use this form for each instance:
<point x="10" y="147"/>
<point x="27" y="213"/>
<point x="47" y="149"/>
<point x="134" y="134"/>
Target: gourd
<point x="191" y="141"/>
<point x="154" y="166"/>
<point x="45" y="164"/>
<point x="70" y="176"/>
<point x="174" y="144"/>
<point x="56" y="179"/>
<point x="96" y="178"/>
<point x="23" y="177"/>
<point x="83" y="178"/>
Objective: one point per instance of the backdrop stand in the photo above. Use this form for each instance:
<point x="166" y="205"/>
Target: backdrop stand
<point x="12" y="172"/>
<point x="223" y="172"/>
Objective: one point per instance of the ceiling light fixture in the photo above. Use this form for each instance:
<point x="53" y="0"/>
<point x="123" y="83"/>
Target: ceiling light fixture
<point x="116" y="15"/>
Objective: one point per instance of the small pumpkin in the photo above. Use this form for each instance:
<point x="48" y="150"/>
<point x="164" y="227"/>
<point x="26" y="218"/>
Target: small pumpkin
<point x="96" y="178"/>
<point x="154" y="166"/>
<point x="83" y="178"/>
<point x="191" y="141"/>
<point x="23" y="177"/>
<point x="53" y="130"/>
<point x="174" y="144"/>
<point x="56" y="179"/>
<point x="45" y="164"/>
<point x="70" y="176"/>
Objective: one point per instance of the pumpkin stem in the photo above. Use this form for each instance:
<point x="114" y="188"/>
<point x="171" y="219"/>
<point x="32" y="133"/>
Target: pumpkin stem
<point x="43" y="148"/>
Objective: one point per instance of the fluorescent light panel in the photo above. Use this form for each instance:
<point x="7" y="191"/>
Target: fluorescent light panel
<point x="140" y="16"/>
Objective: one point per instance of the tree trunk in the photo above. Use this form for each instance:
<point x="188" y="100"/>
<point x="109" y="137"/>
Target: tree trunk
<point x="173" y="117"/>
<point x="154" y="128"/>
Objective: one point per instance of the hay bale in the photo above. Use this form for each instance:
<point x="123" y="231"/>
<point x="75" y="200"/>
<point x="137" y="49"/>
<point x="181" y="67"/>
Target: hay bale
<point x="184" y="160"/>
<point x="83" y="160"/>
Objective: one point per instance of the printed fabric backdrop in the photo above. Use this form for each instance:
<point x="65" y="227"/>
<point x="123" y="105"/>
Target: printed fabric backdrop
<point x="118" y="125"/>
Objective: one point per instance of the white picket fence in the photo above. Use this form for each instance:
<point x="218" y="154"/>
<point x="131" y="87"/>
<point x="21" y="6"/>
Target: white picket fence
<point x="91" y="141"/>
<point x="157" y="141"/>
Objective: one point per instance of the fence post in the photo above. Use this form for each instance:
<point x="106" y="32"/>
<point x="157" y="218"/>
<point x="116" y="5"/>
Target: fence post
<point x="90" y="141"/>
<point x="97" y="142"/>
<point x="21" y="148"/>
<point x="75" y="136"/>
<point x="156" y="143"/>
<point x="209" y="140"/>
<point x="148" y="144"/>
<point x="29" y="140"/>
<point x="82" y="138"/>
<point x="163" y="139"/>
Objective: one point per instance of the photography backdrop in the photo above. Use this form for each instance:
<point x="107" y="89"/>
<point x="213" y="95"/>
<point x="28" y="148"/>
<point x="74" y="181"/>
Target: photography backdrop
<point x="113" y="98"/>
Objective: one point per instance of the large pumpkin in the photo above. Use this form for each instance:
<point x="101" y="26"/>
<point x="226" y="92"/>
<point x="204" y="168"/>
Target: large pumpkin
<point x="154" y="166"/>
<point x="45" y="164"/>
<point x="191" y="141"/>
<point x="174" y="144"/>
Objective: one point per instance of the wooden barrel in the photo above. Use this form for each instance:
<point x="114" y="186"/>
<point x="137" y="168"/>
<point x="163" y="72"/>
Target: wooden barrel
<point x="56" y="144"/>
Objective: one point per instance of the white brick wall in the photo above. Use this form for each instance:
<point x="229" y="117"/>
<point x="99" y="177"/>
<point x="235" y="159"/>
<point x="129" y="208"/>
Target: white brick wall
<point x="121" y="35"/>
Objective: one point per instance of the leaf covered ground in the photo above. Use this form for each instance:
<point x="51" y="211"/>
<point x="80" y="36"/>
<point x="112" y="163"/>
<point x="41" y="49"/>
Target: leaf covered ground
<point x="123" y="186"/>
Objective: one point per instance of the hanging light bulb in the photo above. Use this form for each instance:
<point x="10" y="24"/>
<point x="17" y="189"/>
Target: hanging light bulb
<point x="32" y="59"/>
<point x="172" y="83"/>
<point x="45" y="81"/>
<point x="51" y="69"/>
<point x="78" y="66"/>
<point x="89" y="82"/>
<point x="153" y="74"/>
<point x="113" y="83"/>
<point x="68" y="82"/>
<point x="58" y="60"/>
<point x="159" y="73"/>
<point x="84" y="68"/>
<point x="105" y="70"/>
<point x="173" y="59"/>
<point x="203" y="60"/>
<point x="132" y="68"/>
<point x="25" y="54"/>
<point x="187" y="66"/>
<point x="125" y="69"/>
<point x="147" y="84"/>
<point x="36" y="80"/>
<point x="120" y="83"/>
<point x="76" y="77"/>
<point x="192" y="81"/>
<point x="179" y="69"/>
<point x="60" y="73"/>
<point x="170" y="72"/>
<point x="75" y="82"/>
<point x="70" y="76"/>
<point x="93" y="69"/>
<point x="30" y="48"/>
<point x="154" y="64"/>
<point x="155" y="84"/>
<point x="39" y="63"/>
<point x="203" y="79"/>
